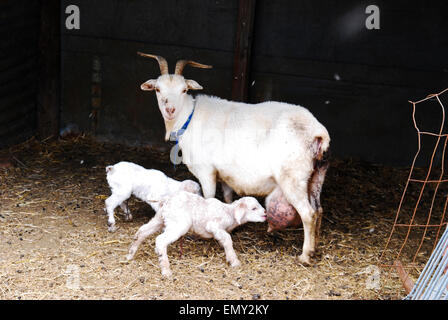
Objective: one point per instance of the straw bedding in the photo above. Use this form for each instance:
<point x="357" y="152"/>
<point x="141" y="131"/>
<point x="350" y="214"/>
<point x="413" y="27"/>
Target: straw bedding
<point x="54" y="241"/>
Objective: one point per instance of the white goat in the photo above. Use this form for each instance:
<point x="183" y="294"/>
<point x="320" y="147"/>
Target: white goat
<point x="209" y="218"/>
<point x="252" y="149"/>
<point x="149" y="185"/>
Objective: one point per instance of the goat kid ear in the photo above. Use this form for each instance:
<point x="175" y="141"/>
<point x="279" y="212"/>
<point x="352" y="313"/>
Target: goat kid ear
<point x="193" y="85"/>
<point x="148" y="85"/>
<point x="240" y="212"/>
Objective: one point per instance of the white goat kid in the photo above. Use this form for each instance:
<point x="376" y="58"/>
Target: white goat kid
<point x="149" y="185"/>
<point x="251" y="148"/>
<point x="208" y="218"/>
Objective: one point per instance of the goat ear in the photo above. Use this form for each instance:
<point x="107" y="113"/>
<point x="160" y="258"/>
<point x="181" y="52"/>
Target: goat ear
<point x="240" y="212"/>
<point x="148" y="85"/>
<point x="193" y="85"/>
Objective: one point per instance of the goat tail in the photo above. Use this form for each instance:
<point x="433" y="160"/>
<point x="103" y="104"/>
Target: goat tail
<point x="321" y="149"/>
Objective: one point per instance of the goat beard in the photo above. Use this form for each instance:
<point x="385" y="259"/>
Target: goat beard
<point x="169" y="124"/>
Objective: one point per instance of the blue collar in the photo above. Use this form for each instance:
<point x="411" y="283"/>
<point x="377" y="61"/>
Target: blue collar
<point x="185" y="126"/>
<point x="176" y="135"/>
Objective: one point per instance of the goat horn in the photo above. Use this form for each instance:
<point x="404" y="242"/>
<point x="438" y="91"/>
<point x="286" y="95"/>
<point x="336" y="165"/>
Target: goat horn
<point x="161" y="60"/>
<point x="180" y="65"/>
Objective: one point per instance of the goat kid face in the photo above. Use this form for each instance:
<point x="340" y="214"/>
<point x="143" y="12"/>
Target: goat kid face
<point x="191" y="186"/>
<point x="171" y="91"/>
<point x="249" y="209"/>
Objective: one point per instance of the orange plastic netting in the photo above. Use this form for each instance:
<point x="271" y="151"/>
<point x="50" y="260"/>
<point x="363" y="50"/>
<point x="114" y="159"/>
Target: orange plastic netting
<point x="422" y="218"/>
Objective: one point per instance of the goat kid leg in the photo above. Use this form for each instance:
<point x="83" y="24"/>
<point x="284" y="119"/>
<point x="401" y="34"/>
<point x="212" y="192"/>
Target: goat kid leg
<point x="127" y="212"/>
<point x="225" y="240"/>
<point x="154" y="225"/>
<point x="162" y="242"/>
<point x="111" y="203"/>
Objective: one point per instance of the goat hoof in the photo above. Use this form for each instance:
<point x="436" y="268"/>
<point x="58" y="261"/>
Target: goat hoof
<point x="128" y="217"/>
<point x="305" y="259"/>
<point x="228" y="199"/>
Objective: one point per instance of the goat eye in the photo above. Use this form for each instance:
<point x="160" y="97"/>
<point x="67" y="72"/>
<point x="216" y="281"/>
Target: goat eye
<point x="254" y="209"/>
<point x="157" y="90"/>
<point x="184" y="91"/>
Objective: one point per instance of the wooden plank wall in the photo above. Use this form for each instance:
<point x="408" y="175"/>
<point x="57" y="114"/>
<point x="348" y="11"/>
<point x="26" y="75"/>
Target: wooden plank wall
<point x="49" y="77"/>
<point x="19" y="32"/>
<point x="111" y="33"/>
<point x="356" y="81"/>
<point x="311" y="52"/>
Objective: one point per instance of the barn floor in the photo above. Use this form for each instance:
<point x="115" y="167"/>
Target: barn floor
<point x="54" y="241"/>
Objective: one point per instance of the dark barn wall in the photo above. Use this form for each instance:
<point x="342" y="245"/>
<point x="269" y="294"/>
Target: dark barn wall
<point x="299" y="50"/>
<point x="111" y="33"/>
<point x="301" y="47"/>
<point x="19" y="33"/>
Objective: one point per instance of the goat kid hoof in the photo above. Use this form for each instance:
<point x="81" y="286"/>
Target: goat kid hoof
<point x="129" y="257"/>
<point x="166" y="273"/>
<point x="112" y="228"/>
<point x="235" y="264"/>
<point x="128" y="217"/>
